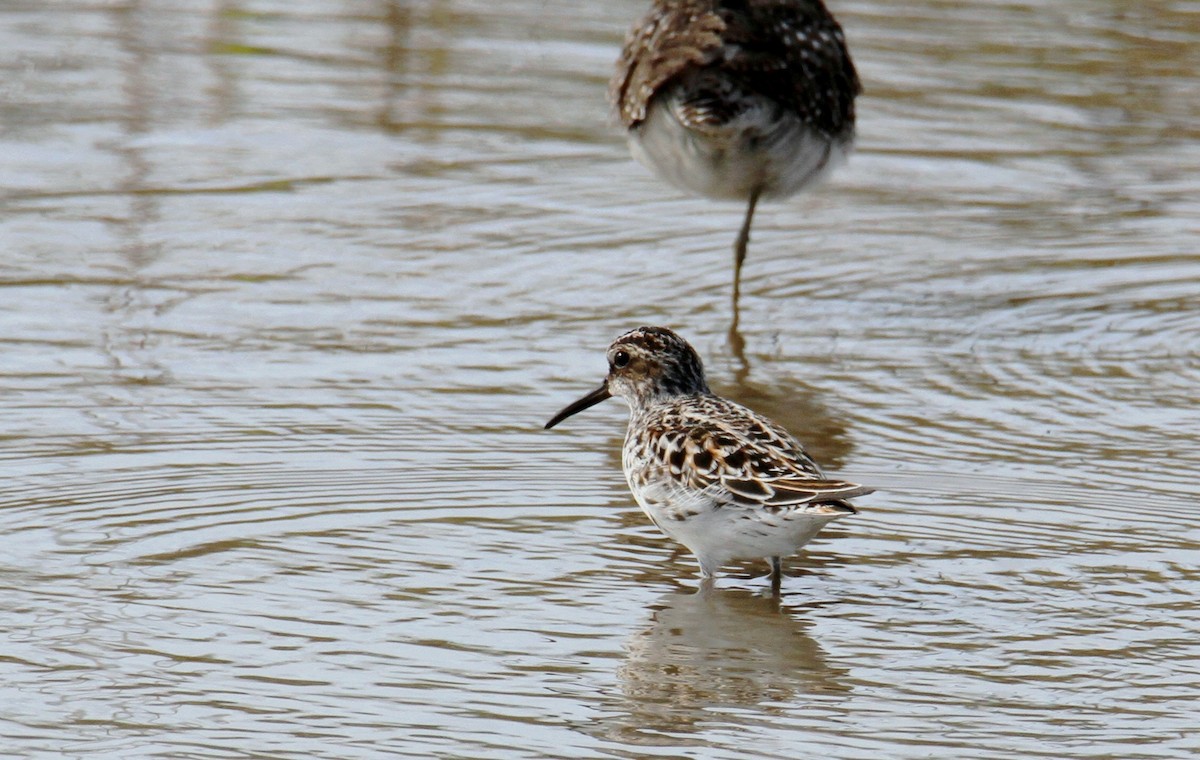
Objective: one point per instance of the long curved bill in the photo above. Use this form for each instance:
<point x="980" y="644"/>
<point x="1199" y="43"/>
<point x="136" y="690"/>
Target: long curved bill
<point x="588" y="401"/>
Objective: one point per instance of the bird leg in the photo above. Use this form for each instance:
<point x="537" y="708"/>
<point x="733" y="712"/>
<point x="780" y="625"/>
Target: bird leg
<point x="776" y="575"/>
<point x="739" y="246"/>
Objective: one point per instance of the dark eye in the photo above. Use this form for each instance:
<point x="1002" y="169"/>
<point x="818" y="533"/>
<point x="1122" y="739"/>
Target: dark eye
<point x="620" y="359"/>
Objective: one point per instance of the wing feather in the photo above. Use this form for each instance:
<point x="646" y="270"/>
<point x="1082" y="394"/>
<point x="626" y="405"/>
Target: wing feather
<point x="665" y="43"/>
<point x="742" y="458"/>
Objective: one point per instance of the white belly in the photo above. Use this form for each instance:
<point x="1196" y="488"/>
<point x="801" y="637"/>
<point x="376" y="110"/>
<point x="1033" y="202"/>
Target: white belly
<point x="720" y="534"/>
<point x="781" y="157"/>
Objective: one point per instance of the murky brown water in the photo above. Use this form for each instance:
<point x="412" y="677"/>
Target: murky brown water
<point x="288" y="288"/>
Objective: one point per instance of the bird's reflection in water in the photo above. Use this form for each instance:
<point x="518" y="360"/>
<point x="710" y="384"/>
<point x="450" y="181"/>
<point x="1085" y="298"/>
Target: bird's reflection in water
<point x="707" y="651"/>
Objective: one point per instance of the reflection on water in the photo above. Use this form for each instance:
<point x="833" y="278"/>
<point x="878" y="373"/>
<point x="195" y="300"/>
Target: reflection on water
<point x="716" y="651"/>
<point x="288" y="289"/>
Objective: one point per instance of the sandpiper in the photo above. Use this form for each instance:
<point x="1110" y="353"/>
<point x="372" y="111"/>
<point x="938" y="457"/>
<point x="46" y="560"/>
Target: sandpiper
<point x="722" y="480"/>
<point x="737" y="99"/>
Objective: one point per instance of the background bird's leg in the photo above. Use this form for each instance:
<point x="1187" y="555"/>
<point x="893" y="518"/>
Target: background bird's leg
<point x="739" y="246"/>
<point x="739" y="255"/>
<point x="776" y="574"/>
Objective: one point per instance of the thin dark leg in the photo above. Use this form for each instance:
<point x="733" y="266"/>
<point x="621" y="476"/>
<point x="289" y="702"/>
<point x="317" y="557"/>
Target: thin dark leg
<point x="739" y="246"/>
<point x="776" y="574"/>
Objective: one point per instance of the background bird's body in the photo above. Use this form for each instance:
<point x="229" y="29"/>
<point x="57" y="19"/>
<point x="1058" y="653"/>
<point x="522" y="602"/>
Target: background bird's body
<point x="737" y="99"/>
<point x="760" y="151"/>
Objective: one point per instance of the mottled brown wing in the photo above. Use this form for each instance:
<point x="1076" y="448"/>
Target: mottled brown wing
<point x="792" y="493"/>
<point x="794" y="52"/>
<point x="668" y="40"/>
<point x="728" y="449"/>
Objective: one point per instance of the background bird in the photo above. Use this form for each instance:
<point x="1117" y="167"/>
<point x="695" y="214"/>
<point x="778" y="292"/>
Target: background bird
<point x="737" y="99"/>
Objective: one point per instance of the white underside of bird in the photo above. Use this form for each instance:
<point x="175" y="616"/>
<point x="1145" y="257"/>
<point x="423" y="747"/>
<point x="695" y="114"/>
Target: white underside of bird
<point x="763" y="148"/>
<point x="719" y="532"/>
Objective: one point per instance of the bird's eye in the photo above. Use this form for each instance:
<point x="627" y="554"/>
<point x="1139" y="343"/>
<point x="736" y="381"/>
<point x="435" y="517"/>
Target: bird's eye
<point x="620" y="359"/>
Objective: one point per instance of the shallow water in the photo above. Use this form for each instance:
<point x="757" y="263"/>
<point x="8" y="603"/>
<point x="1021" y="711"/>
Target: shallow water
<point x="288" y="290"/>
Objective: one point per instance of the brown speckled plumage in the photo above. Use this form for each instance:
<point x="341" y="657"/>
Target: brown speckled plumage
<point x="723" y="480"/>
<point x="705" y="442"/>
<point x="791" y="51"/>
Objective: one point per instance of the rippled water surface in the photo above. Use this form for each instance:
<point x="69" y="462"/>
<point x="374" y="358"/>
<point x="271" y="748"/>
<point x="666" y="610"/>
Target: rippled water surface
<point x="287" y="290"/>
